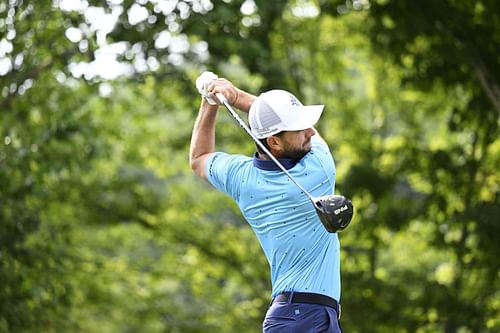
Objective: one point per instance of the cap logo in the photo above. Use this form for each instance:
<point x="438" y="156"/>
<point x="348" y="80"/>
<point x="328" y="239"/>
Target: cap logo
<point x="267" y="130"/>
<point x="294" y="101"/>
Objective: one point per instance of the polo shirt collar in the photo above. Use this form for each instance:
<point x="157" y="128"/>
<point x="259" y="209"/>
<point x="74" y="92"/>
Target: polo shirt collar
<point x="269" y="165"/>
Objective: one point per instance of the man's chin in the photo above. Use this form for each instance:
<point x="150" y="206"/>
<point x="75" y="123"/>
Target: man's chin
<point x="306" y="148"/>
<point x="297" y="155"/>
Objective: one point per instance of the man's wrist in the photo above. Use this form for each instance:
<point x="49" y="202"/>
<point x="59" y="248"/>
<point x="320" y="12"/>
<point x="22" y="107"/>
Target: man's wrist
<point x="205" y="105"/>
<point x="243" y="100"/>
<point x="235" y="103"/>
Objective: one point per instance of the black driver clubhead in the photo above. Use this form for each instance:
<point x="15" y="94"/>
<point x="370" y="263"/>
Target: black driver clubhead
<point x="334" y="211"/>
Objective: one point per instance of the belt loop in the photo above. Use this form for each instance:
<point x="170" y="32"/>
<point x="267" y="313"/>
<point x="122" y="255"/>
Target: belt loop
<point x="290" y="298"/>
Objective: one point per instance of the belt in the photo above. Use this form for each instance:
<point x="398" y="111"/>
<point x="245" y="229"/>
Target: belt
<point x="309" y="298"/>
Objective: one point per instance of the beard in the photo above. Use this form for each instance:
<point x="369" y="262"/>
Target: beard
<point x="296" y="154"/>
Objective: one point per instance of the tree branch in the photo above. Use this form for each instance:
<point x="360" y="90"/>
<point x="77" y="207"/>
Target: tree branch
<point x="489" y="84"/>
<point x="35" y="73"/>
<point x="487" y="80"/>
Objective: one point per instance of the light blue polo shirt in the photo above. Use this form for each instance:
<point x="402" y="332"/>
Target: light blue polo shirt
<point x="302" y="255"/>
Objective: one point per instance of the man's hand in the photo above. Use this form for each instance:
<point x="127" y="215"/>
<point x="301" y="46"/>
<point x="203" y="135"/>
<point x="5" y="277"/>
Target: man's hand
<point x="209" y="84"/>
<point x="224" y="87"/>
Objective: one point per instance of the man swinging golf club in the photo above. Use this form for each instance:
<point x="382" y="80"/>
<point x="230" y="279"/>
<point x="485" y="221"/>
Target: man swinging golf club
<point x="285" y="194"/>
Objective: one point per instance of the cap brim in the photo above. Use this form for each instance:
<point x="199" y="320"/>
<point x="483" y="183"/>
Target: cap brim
<point x="309" y="116"/>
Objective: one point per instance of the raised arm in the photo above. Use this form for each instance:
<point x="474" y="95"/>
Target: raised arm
<point x="203" y="136"/>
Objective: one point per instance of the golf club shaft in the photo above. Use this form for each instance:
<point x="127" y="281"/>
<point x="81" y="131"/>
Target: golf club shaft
<point x="240" y="121"/>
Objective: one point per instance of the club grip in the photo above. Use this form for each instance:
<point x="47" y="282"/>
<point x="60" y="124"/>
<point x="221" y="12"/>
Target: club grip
<point x="221" y="98"/>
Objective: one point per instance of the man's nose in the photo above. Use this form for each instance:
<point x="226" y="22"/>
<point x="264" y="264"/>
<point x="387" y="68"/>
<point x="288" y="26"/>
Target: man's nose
<point x="309" y="132"/>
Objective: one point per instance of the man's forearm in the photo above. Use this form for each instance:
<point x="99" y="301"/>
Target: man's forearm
<point x="244" y="100"/>
<point x="236" y="97"/>
<point x="203" y="136"/>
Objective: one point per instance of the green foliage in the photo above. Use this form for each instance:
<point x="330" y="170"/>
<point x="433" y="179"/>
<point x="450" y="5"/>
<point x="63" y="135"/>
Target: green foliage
<point x="103" y="227"/>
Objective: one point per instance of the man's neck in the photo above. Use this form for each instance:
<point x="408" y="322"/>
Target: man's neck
<point x="264" y="162"/>
<point x="262" y="156"/>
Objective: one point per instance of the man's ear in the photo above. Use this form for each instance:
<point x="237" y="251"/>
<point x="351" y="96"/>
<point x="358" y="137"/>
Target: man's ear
<point x="274" y="143"/>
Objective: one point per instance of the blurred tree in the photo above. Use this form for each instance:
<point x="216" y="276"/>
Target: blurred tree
<point x="448" y="50"/>
<point x="104" y="228"/>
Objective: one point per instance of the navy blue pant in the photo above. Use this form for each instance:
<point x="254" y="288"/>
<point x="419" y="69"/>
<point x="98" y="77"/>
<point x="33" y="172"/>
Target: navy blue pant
<point x="285" y="317"/>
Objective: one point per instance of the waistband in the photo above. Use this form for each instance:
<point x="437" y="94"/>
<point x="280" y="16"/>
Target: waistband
<point x="309" y="298"/>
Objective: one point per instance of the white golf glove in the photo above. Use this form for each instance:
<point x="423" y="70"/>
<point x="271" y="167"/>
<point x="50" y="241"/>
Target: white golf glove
<point x="202" y="83"/>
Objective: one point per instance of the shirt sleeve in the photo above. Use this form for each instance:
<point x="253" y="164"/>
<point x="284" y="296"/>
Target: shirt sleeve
<point x="222" y="172"/>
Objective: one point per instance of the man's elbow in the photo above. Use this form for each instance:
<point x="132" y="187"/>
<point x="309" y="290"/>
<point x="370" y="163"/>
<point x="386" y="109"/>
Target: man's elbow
<point x="194" y="164"/>
<point x="198" y="166"/>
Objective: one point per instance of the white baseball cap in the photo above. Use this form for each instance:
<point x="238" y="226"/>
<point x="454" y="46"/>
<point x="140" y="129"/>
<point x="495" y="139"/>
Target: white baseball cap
<point x="275" y="111"/>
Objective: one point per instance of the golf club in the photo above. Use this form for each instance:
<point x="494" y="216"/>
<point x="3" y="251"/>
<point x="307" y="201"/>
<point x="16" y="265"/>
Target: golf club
<point x="334" y="211"/>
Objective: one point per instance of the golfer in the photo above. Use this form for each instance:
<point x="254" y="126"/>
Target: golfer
<point x="303" y="257"/>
